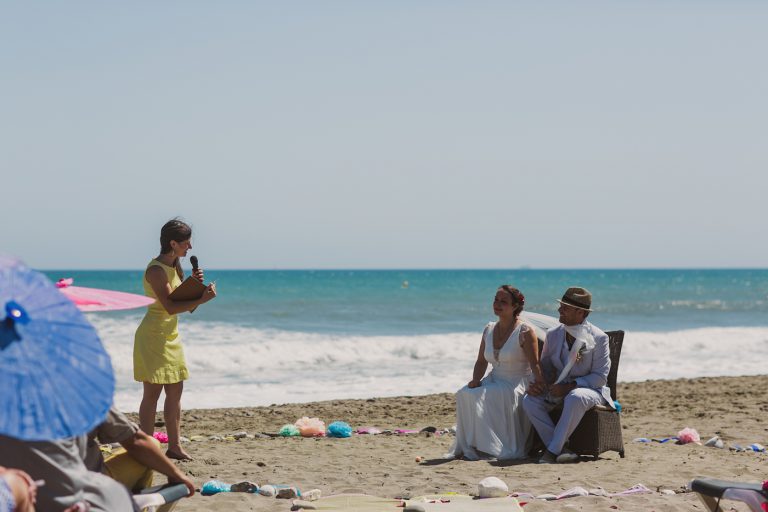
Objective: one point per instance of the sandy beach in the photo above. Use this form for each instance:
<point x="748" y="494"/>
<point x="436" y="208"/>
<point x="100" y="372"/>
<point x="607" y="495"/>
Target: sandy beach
<point x="733" y="408"/>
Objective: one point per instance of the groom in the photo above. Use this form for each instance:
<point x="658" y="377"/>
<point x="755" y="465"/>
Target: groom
<point x="575" y="361"/>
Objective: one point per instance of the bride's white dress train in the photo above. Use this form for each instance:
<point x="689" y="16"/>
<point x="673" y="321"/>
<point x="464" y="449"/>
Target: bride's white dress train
<point x="490" y="420"/>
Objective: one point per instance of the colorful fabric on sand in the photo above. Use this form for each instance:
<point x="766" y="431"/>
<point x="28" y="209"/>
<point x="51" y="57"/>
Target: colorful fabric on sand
<point x="161" y="436"/>
<point x="310" y="427"/>
<point x="688" y="435"/>
<point x="339" y="429"/>
<point x="368" y="430"/>
<point x="289" y="431"/>
<point x="212" y="487"/>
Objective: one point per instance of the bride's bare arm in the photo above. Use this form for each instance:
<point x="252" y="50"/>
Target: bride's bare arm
<point x="480" y="365"/>
<point x="531" y="349"/>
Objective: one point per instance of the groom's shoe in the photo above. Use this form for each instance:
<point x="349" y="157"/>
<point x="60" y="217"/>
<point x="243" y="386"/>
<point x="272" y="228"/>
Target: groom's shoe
<point x="566" y="457"/>
<point x="548" y="457"/>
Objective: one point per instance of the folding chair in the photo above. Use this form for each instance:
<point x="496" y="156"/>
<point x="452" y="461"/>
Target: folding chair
<point x="711" y="491"/>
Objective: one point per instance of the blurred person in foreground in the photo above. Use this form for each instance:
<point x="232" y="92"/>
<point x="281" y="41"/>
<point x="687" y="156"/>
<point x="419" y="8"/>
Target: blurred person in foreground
<point x="18" y="492"/>
<point x="78" y="478"/>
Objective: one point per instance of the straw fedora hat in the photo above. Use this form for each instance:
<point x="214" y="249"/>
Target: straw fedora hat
<point x="578" y="298"/>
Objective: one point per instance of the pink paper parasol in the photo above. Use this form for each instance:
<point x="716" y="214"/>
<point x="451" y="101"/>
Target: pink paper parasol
<point x="96" y="299"/>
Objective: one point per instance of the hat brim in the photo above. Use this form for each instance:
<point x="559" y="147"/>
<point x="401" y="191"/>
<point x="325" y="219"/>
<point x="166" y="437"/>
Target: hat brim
<point x="574" y="306"/>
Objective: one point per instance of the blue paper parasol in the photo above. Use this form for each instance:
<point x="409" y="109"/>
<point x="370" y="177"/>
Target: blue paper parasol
<point x="56" y="379"/>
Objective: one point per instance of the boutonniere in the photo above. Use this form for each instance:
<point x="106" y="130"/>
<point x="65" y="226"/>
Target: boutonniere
<point x="580" y="353"/>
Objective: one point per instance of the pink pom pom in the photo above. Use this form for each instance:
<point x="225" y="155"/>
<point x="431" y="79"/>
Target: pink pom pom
<point x="688" y="435"/>
<point x="161" y="436"/>
<point x="310" y="427"/>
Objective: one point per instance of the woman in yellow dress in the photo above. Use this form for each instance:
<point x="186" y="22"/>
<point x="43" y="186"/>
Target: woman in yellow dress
<point x="158" y="357"/>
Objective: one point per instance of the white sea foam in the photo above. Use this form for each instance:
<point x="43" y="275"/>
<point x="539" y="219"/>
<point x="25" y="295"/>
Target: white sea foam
<point x="240" y="366"/>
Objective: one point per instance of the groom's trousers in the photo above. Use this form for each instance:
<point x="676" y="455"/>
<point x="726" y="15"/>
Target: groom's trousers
<point x="575" y="404"/>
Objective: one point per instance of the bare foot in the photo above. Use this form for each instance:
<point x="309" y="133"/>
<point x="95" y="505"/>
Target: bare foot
<point x="178" y="455"/>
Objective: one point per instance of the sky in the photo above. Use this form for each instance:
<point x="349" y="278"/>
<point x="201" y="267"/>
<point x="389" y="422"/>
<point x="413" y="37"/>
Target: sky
<point x="397" y="134"/>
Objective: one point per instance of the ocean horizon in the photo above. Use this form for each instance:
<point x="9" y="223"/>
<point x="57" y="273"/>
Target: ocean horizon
<point x="278" y="336"/>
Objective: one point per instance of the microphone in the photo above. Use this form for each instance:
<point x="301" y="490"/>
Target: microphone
<point x="193" y="261"/>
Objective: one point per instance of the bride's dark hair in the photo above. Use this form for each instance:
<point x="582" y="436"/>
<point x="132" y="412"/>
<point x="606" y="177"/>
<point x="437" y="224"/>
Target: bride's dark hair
<point x="517" y="297"/>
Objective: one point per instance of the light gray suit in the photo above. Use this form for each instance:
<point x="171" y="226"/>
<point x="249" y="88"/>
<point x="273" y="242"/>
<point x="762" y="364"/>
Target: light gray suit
<point x="590" y="375"/>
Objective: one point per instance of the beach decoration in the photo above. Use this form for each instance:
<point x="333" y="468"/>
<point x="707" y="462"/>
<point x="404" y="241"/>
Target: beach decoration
<point x="289" y="431"/>
<point x="310" y="427"/>
<point x="339" y="429"/>
<point x="212" y="487"/>
<point x="244" y="486"/>
<point x="283" y="491"/>
<point x="688" y="435"/>
<point x="287" y="492"/>
<point x="161" y="436"/>
<point x="715" y="442"/>
<point x="492" y="487"/>
<point x="268" y="491"/>
<point x="754" y="447"/>
<point x="368" y="430"/>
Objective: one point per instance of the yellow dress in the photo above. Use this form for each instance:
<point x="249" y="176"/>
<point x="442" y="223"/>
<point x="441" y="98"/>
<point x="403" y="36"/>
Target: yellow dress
<point x="158" y="356"/>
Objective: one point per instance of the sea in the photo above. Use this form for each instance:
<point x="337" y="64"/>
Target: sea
<point x="296" y="336"/>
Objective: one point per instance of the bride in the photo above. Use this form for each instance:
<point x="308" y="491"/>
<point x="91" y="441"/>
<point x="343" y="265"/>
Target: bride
<point x="490" y="421"/>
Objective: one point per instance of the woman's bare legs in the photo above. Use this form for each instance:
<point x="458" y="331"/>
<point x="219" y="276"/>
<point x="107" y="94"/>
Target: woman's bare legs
<point x="172" y="412"/>
<point x="148" y="407"/>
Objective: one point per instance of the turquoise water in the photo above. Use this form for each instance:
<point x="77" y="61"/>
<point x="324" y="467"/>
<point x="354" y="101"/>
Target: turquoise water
<point x="440" y="301"/>
<point x="301" y="336"/>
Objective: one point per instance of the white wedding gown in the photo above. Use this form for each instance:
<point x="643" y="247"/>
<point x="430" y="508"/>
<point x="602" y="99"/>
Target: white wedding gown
<point x="490" y="420"/>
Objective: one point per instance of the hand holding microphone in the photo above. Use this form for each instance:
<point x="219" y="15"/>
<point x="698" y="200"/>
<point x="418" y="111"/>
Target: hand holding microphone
<point x="197" y="272"/>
